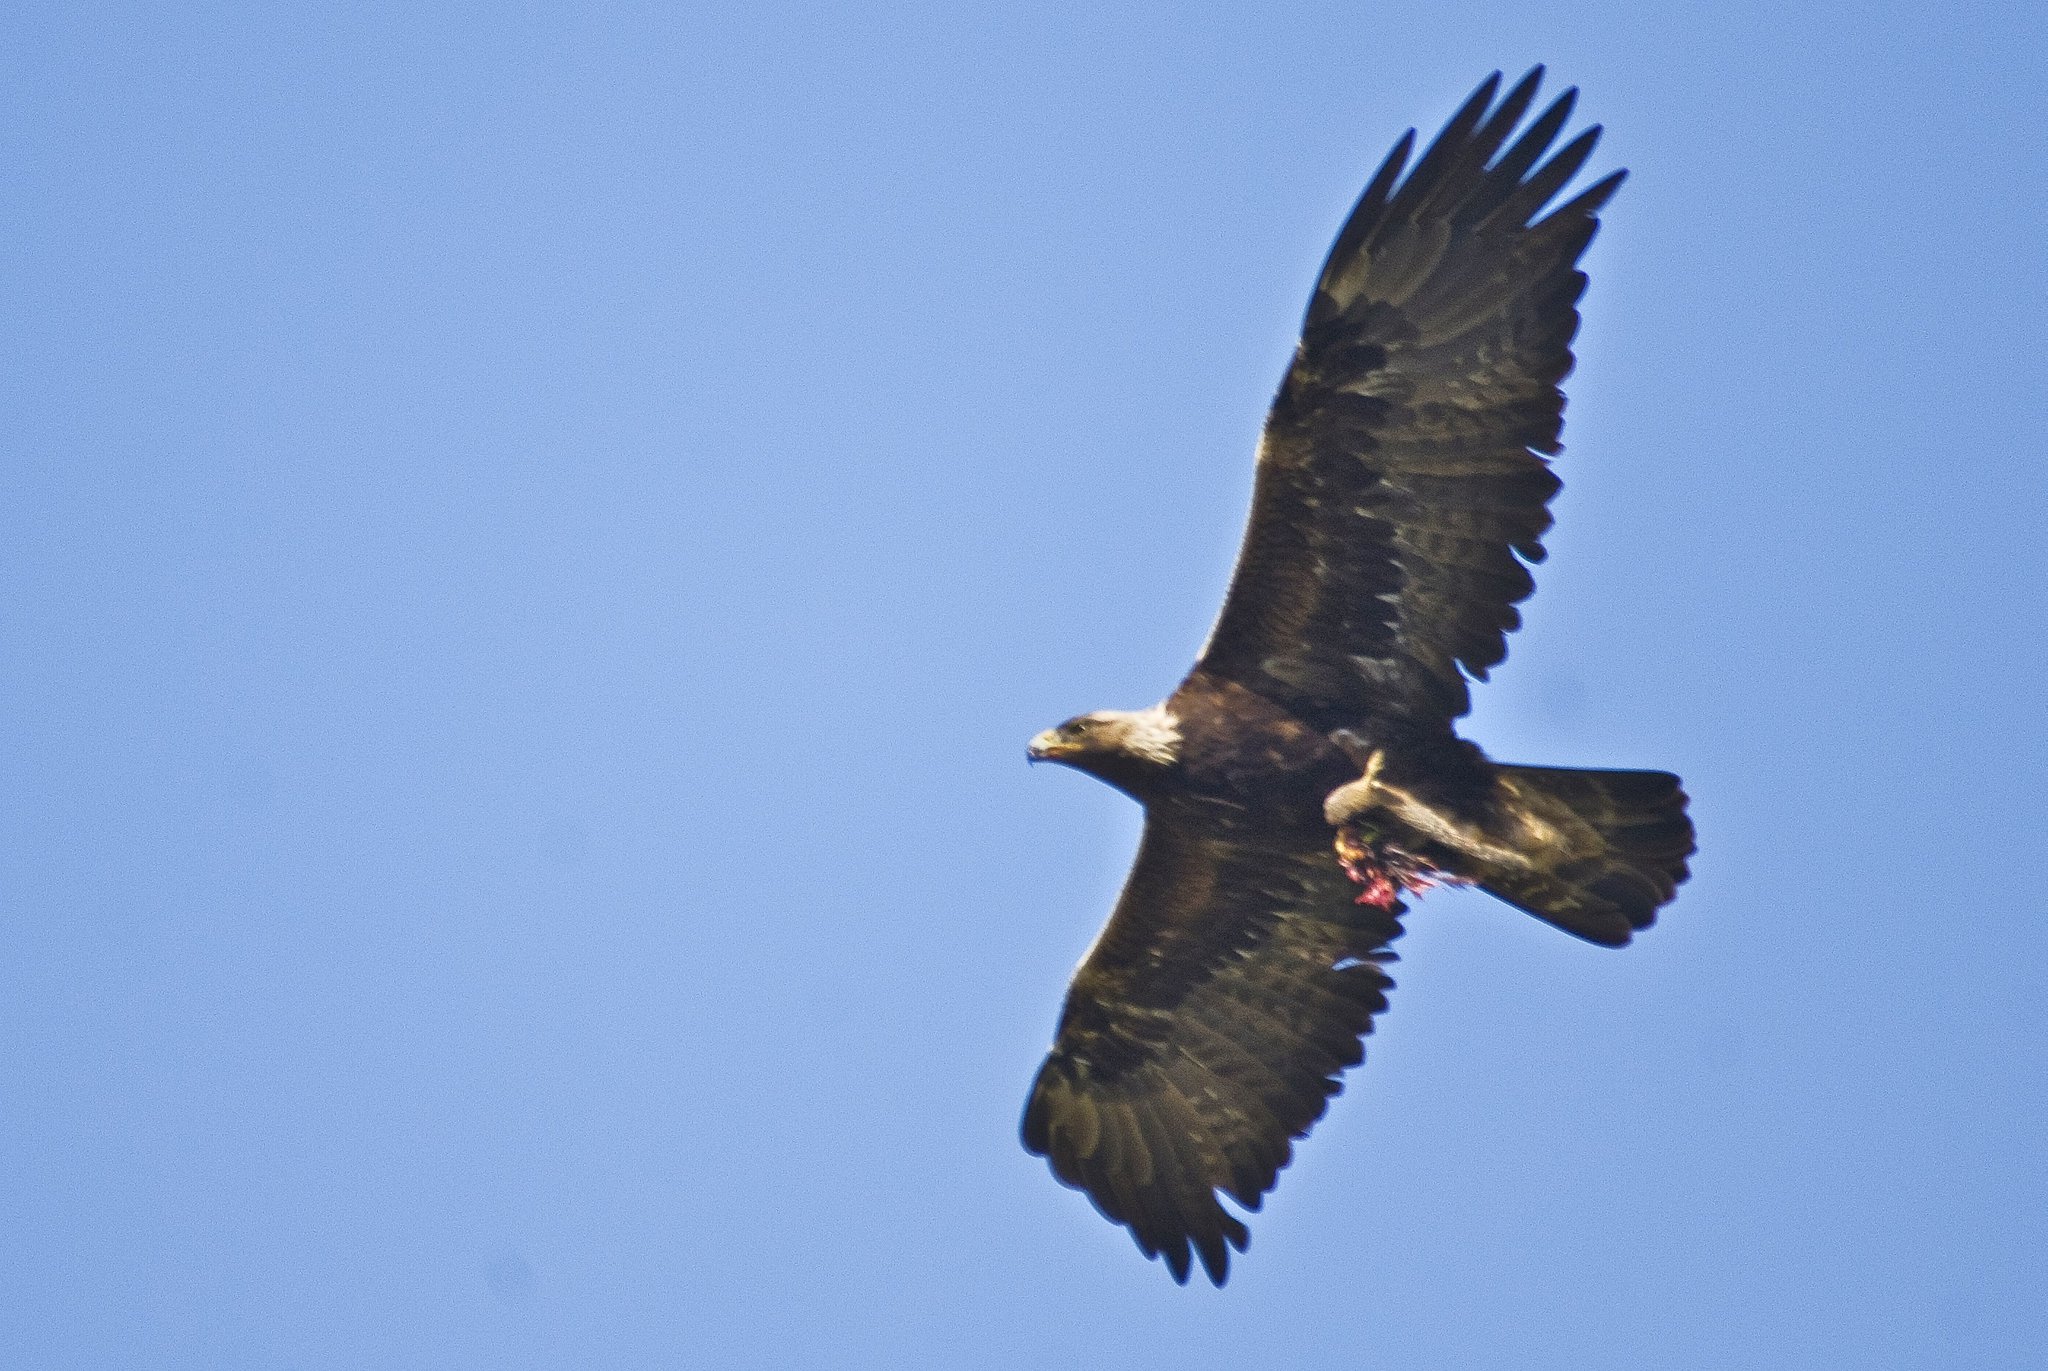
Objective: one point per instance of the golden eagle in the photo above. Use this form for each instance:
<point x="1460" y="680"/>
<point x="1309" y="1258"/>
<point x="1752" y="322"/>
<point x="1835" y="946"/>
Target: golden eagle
<point x="1306" y="773"/>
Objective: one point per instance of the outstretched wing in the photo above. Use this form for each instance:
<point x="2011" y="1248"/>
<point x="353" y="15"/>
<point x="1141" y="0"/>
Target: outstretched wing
<point x="1400" y="487"/>
<point x="1204" y="1032"/>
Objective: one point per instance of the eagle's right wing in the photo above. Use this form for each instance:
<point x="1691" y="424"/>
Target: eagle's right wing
<point x="1204" y="1032"/>
<point x="1402" y="481"/>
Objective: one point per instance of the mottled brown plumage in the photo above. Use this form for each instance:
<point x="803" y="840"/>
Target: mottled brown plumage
<point x="1307" y="771"/>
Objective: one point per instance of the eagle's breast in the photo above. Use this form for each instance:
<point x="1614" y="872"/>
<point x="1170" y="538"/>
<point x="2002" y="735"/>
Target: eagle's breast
<point x="1249" y="757"/>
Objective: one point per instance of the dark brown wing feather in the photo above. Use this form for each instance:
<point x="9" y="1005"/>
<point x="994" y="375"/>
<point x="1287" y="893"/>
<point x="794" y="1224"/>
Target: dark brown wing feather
<point x="1204" y="1032"/>
<point x="1400" y="488"/>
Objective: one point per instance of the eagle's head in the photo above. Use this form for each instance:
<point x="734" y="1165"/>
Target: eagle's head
<point x="1125" y="747"/>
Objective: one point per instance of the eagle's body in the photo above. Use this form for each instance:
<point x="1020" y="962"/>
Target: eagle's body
<point x="1308" y="772"/>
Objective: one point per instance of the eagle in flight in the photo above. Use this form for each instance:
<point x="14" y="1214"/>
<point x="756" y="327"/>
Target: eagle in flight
<point x="1306" y="774"/>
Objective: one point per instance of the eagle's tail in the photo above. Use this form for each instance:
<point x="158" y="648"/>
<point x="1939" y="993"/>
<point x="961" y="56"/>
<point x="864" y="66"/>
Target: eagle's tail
<point x="1614" y="853"/>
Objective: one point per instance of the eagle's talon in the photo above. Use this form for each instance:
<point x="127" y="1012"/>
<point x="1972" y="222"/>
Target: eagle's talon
<point x="1385" y="872"/>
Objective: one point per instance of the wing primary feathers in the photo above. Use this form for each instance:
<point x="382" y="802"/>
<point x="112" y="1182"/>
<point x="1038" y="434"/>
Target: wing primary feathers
<point x="1504" y="178"/>
<point x="1374" y="197"/>
<point x="1534" y="193"/>
<point x="1449" y="146"/>
<point x="1171" y="1205"/>
<point x="1508" y="113"/>
<point x="1588" y="202"/>
<point x="1364" y="217"/>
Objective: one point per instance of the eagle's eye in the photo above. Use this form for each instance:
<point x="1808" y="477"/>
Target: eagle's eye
<point x="1081" y="727"/>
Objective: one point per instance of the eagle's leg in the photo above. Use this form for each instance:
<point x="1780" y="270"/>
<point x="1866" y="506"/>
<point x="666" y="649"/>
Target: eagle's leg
<point x="1348" y="801"/>
<point x="1381" y="869"/>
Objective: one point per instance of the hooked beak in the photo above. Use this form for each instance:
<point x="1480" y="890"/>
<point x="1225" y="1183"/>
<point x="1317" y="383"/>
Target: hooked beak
<point x="1047" y="747"/>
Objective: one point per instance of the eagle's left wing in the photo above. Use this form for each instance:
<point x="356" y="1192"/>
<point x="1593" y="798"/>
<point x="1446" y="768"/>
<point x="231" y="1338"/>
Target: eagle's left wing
<point x="1204" y="1032"/>
<point x="1402" y="483"/>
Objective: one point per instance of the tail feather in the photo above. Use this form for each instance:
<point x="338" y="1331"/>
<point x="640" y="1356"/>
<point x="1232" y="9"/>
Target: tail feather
<point x="1615" y="849"/>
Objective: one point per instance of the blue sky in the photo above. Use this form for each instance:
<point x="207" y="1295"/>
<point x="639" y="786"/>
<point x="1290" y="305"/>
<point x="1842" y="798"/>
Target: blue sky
<point x="534" y="539"/>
